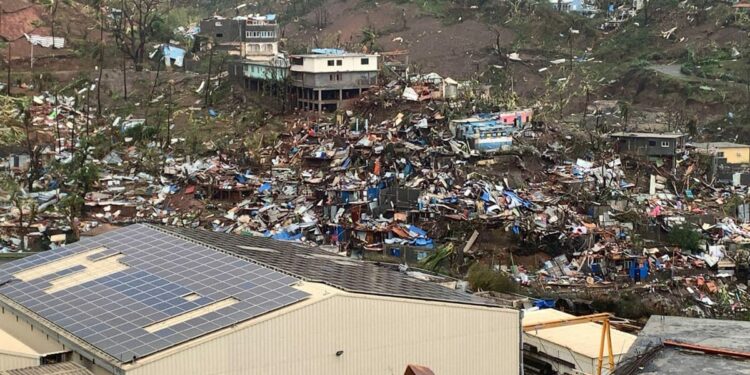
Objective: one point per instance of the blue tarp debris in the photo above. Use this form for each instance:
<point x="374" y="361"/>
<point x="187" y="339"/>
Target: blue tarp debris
<point x="418" y="231"/>
<point x="265" y="187"/>
<point x="240" y="178"/>
<point x="328" y="51"/>
<point x="545" y="303"/>
<point x="173" y="55"/>
<point x="515" y="200"/>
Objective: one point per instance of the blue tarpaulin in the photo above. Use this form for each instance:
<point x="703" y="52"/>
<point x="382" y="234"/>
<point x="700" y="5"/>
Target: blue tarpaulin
<point x="175" y="55"/>
<point x="240" y="178"/>
<point x="407" y="169"/>
<point x="328" y="51"/>
<point x="373" y="193"/>
<point x="516" y="200"/>
<point x="284" y="236"/>
<point x="450" y="200"/>
<point x="426" y="242"/>
<point x="545" y="303"/>
<point x="487" y="197"/>
<point x="419" y="231"/>
<point x="265" y="187"/>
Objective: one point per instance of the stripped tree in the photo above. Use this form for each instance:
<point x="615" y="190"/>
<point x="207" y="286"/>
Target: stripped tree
<point x="134" y="24"/>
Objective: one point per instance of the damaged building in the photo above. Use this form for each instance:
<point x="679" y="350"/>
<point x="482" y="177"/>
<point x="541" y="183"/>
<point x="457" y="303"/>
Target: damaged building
<point x="327" y="78"/>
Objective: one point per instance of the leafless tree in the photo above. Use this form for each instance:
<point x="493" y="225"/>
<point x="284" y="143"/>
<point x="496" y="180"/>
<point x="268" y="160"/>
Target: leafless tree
<point x="135" y="25"/>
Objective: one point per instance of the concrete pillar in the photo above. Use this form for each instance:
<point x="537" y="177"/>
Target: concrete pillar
<point x="320" y="100"/>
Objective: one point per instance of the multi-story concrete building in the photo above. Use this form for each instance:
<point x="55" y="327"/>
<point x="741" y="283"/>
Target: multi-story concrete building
<point x="252" y="35"/>
<point x="326" y="78"/>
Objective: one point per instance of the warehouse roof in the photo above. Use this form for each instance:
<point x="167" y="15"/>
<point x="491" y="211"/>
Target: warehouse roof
<point x="142" y="289"/>
<point x="65" y="368"/>
<point x="720" y="334"/>
<point x="136" y="290"/>
<point x="314" y="264"/>
<point x="579" y="338"/>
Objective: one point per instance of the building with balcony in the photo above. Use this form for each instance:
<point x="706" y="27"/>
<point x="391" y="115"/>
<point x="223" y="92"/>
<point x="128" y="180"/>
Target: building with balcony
<point x="327" y="78"/>
<point x="252" y="35"/>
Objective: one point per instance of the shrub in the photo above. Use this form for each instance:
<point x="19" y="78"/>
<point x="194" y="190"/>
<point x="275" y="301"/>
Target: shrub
<point x="685" y="237"/>
<point x="481" y="277"/>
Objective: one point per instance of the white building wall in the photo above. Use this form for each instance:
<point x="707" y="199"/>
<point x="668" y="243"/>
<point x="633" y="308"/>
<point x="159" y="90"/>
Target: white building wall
<point x="10" y="361"/>
<point x="377" y="335"/>
<point x="349" y="63"/>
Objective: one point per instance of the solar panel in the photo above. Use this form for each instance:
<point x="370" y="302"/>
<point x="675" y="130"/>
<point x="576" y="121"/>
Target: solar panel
<point x="110" y="312"/>
<point x="317" y="265"/>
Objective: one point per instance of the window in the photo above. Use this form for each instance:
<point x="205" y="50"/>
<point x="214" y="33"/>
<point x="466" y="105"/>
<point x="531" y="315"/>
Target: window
<point x="652" y="143"/>
<point x="664" y="143"/>
<point x="339" y="62"/>
<point x="330" y="62"/>
<point x="335" y="77"/>
<point x="365" y="61"/>
<point x="720" y="154"/>
<point x="219" y="35"/>
<point x="260" y="34"/>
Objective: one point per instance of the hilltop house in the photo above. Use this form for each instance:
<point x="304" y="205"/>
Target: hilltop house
<point x="734" y="153"/>
<point x="254" y="40"/>
<point x="326" y="78"/>
<point x="657" y="147"/>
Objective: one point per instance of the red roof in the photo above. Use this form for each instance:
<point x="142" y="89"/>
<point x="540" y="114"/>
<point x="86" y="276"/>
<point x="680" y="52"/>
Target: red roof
<point x="741" y="5"/>
<point x="418" y="370"/>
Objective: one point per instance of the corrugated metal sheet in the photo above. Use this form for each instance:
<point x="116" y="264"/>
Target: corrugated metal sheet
<point x="11" y="362"/>
<point x="45" y="41"/>
<point x="373" y="335"/>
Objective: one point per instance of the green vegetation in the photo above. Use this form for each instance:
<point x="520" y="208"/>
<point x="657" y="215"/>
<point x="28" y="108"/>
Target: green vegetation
<point x="685" y="238"/>
<point x="481" y="277"/>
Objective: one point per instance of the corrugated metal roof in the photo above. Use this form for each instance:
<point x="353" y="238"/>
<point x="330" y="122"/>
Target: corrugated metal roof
<point x="719" y="145"/>
<point x="65" y="368"/>
<point x="646" y="135"/>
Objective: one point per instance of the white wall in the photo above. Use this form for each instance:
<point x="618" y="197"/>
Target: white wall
<point x="349" y="63"/>
<point x="12" y="361"/>
<point x="377" y="335"/>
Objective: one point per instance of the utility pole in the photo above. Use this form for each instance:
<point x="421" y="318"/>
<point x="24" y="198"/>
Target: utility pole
<point x="169" y="115"/>
<point x="88" y="109"/>
<point x="208" y="78"/>
<point x="1" y="25"/>
<point x="57" y="121"/>
<point x="9" y="55"/>
<point x="101" y="66"/>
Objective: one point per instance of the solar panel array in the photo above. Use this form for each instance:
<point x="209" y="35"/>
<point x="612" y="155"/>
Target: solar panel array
<point x="317" y="265"/>
<point x="111" y="311"/>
